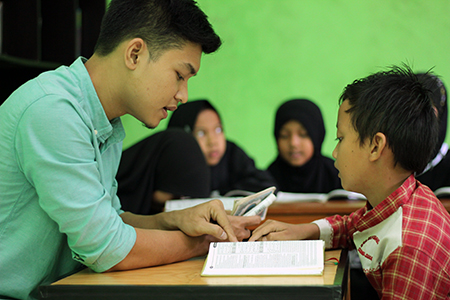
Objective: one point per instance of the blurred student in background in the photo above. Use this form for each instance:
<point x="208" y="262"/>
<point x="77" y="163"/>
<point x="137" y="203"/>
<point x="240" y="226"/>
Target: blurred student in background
<point x="437" y="172"/>
<point x="166" y="165"/>
<point x="230" y="167"/>
<point x="300" y="166"/>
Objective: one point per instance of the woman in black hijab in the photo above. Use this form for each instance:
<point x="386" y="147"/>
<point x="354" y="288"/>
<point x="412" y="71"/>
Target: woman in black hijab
<point x="300" y="166"/>
<point x="166" y="165"/>
<point x="437" y="172"/>
<point x="230" y="167"/>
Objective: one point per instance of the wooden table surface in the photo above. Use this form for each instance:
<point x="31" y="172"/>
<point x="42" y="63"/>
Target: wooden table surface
<point x="179" y="279"/>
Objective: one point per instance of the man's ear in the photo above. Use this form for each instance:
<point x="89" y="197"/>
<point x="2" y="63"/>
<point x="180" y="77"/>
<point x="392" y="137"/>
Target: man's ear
<point x="133" y="52"/>
<point x="379" y="143"/>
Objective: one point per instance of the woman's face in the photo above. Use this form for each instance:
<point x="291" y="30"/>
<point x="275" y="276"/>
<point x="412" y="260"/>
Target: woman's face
<point x="294" y="144"/>
<point x="209" y="134"/>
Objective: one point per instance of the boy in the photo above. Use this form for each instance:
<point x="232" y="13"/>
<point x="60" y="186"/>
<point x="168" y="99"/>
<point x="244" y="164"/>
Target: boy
<point x="386" y="132"/>
<point x="60" y="146"/>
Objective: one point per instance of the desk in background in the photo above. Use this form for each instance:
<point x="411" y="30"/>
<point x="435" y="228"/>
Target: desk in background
<point x="183" y="281"/>
<point x="305" y="212"/>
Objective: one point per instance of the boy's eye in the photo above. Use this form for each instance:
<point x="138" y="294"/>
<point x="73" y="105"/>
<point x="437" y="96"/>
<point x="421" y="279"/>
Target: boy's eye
<point x="179" y="76"/>
<point x="218" y="130"/>
<point x="339" y="139"/>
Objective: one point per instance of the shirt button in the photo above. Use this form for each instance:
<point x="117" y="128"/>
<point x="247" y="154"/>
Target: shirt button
<point x="95" y="131"/>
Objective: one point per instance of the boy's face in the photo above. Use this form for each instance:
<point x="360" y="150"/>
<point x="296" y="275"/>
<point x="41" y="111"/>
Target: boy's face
<point x="351" y="158"/>
<point x="294" y="144"/>
<point x="158" y="86"/>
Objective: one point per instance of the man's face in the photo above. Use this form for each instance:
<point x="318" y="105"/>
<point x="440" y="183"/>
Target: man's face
<point x="351" y="158"/>
<point x="158" y="86"/>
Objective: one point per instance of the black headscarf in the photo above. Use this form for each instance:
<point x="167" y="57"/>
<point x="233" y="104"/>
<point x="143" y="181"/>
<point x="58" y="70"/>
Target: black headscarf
<point x="170" y="161"/>
<point x="236" y="170"/>
<point x="185" y="115"/>
<point x="319" y="174"/>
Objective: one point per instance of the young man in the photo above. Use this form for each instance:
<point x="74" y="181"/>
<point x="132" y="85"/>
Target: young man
<point x="60" y="145"/>
<point x="386" y="132"/>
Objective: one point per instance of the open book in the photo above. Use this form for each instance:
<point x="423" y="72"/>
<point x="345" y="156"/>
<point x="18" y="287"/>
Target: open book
<point x="319" y="197"/>
<point x="265" y="258"/>
<point x="255" y="204"/>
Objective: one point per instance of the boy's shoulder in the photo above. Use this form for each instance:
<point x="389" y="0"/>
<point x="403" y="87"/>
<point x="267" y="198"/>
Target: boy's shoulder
<point x="425" y="220"/>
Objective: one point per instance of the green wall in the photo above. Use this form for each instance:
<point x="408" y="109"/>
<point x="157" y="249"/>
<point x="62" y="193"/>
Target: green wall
<point x="274" y="50"/>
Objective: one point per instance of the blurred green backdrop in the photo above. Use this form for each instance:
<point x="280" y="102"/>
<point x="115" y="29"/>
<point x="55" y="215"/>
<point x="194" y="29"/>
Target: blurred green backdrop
<point x="275" y="50"/>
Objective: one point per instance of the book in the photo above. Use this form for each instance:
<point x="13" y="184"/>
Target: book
<point x="254" y="204"/>
<point x="319" y="197"/>
<point x="267" y="258"/>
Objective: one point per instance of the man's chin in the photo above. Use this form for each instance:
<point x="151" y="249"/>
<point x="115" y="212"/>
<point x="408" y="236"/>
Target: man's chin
<point x="149" y="126"/>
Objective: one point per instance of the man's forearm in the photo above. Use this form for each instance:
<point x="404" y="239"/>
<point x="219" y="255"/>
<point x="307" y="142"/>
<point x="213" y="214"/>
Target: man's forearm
<point x="158" y="221"/>
<point x="158" y="247"/>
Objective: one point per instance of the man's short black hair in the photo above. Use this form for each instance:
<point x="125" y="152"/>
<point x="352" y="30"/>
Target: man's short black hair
<point x="162" y="24"/>
<point x="397" y="104"/>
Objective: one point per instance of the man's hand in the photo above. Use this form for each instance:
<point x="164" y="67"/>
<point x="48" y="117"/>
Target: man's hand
<point x="273" y="230"/>
<point x="206" y="218"/>
<point x="240" y="225"/>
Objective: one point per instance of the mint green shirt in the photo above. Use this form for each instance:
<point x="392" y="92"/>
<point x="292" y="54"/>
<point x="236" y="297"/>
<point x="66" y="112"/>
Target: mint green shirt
<point x="59" y="156"/>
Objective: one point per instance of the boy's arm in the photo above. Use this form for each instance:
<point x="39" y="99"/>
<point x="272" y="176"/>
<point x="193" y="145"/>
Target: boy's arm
<point x="273" y="230"/>
<point x="337" y="231"/>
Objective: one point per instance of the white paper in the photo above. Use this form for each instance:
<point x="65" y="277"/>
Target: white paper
<point x="265" y="258"/>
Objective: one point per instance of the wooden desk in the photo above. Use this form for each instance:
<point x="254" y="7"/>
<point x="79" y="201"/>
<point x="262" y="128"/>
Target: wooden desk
<point x="183" y="281"/>
<point x="305" y="212"/>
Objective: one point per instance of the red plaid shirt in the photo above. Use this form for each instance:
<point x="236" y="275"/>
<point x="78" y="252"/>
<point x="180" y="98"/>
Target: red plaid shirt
<point x="403" y="243"/>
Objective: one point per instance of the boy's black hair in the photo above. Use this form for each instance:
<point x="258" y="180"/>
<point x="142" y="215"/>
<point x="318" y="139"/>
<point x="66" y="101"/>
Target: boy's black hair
<point x="397" y="104"/>
<point x="162" y="24"/>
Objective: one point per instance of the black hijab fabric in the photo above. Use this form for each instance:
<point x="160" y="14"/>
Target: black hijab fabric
<point x="170" y="161"/>
<point x="236" y="170"/>
<point x="319" y="174"/>
<point x="185" y="115"/>
<point x="437" y="173"/>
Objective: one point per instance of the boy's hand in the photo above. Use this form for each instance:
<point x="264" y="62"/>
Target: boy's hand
<point x="273" y="230"/>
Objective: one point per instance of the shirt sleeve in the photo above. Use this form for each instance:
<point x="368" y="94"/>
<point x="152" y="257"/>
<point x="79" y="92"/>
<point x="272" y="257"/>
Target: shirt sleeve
<point x="337" y="231"/>
<point x="56" y="153"/>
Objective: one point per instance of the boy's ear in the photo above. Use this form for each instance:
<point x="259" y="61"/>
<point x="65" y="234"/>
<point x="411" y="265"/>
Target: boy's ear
<point x="379" y="143"/>
<point x="133" y="52"/>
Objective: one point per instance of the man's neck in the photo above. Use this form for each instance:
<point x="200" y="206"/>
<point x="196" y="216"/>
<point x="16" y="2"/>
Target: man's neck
<point x="102" y="72"/>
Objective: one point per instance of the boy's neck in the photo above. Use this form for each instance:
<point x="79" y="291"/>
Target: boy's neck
<point x="386" y="185"/>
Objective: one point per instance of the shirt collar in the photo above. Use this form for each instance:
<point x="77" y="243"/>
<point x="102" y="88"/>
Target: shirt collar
<point x="388" y="206"/>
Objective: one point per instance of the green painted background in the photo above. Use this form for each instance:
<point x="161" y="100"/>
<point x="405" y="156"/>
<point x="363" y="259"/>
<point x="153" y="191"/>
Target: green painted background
<point x="274" y="50"/>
